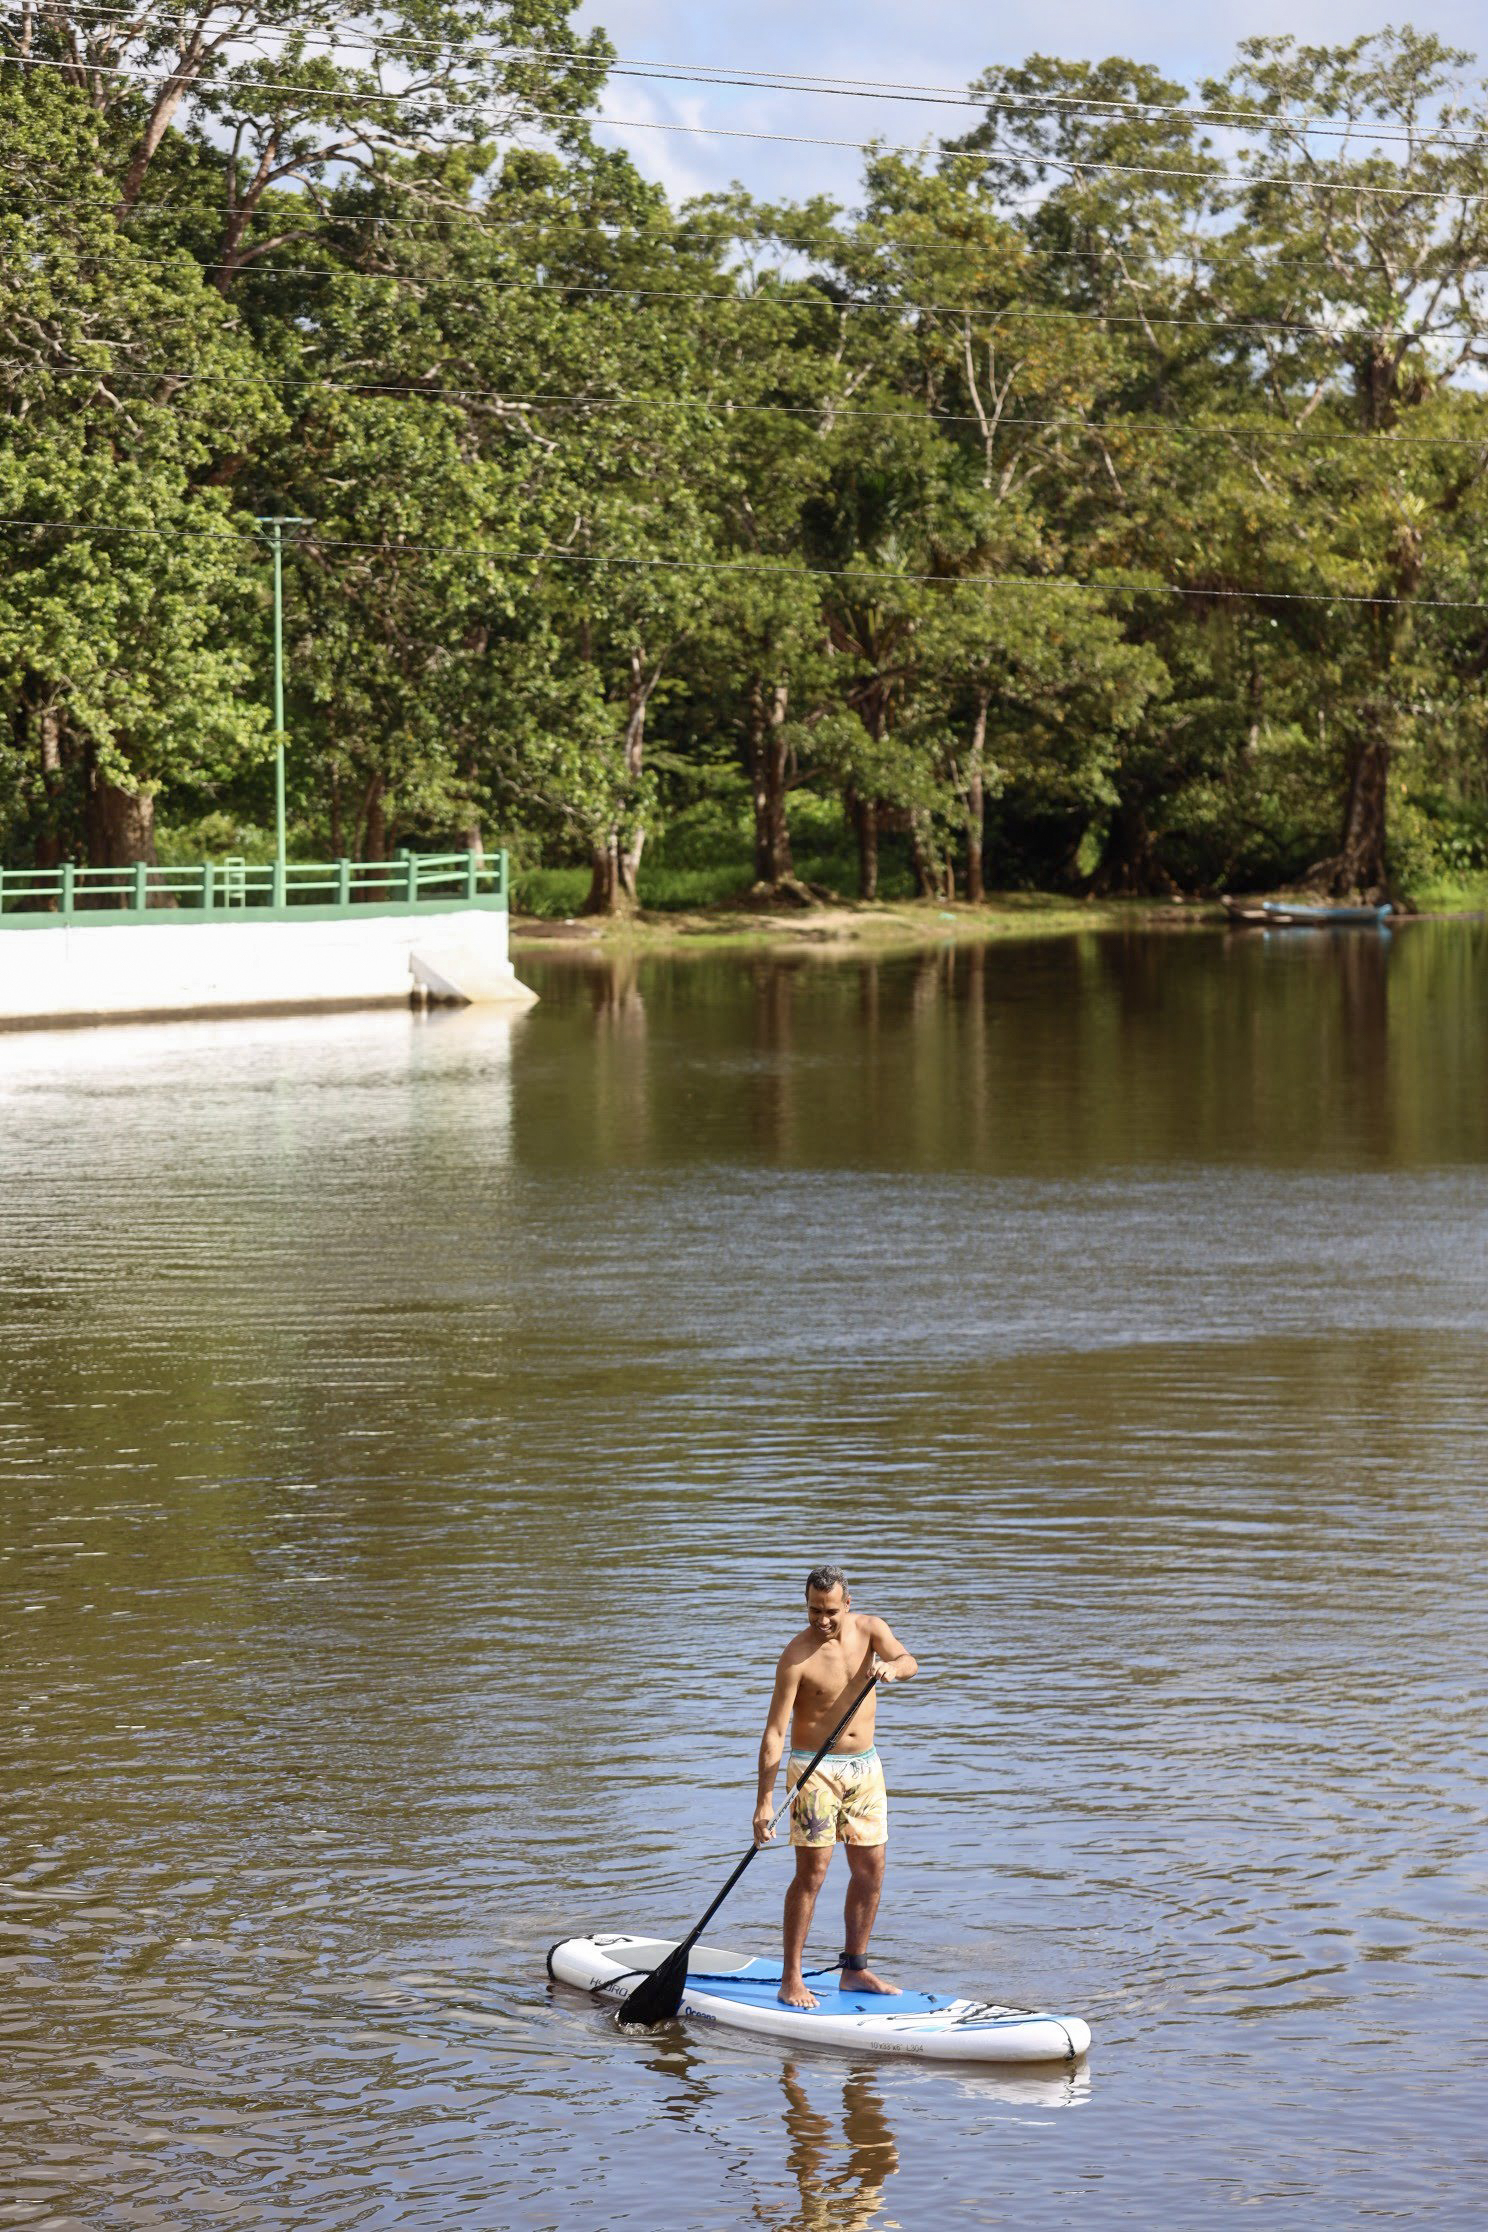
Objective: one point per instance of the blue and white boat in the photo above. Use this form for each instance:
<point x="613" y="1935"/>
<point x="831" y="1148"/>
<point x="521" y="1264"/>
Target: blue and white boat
<point x="1282" y="914"/>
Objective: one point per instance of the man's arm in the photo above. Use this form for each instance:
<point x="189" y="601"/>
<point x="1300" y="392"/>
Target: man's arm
<point x="772" y="1744"/>
<point x="892" y="1662"/>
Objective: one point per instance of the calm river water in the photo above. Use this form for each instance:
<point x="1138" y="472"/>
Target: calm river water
<point x="413" y="1436"/>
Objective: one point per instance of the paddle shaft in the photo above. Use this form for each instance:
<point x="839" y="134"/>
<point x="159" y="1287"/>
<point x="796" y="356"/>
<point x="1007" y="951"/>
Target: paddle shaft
<point x="801" y="1780"/>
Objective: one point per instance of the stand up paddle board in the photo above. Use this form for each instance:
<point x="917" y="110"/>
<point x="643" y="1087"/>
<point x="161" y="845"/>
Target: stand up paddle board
<point x="733" y="1990"/>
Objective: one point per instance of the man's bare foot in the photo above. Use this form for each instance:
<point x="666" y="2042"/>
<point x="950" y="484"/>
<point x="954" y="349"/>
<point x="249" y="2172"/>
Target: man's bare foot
<point x="864" y="1980"/>
<point x="794" y="1992"/>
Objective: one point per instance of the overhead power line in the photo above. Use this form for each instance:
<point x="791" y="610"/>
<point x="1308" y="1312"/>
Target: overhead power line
<point x="250" y="267"/>
<point x="805" y="297"/>
<point x="1053" y="161"/>
<point x="987" y="314"/>
<point x="687" y="231"/>
<point x="866" y="574"/>
<point x="357" y="97"/>
<point x="730" y="407"/>
<point x="750" y="77"/>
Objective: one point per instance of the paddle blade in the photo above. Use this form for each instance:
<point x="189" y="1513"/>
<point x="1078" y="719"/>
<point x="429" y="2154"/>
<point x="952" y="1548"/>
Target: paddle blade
<point x="658" y="1997"/>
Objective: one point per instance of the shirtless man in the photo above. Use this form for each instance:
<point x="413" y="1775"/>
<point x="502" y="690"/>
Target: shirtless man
<point x="845" y="1801"/>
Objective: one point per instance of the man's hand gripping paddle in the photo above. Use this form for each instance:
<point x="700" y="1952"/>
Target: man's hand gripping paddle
<point x="658" y="1996"/>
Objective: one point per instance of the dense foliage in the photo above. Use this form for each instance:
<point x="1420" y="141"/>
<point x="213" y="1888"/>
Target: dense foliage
<point x="1100" y="502"/>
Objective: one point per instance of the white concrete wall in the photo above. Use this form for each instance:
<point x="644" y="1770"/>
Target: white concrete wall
<point x="67" y="974"/>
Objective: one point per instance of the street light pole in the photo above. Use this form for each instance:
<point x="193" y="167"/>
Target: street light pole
<point x="277" y="522"/>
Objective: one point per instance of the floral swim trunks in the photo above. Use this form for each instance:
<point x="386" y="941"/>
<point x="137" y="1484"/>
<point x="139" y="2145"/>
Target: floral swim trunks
<point x="845" y="1801"/>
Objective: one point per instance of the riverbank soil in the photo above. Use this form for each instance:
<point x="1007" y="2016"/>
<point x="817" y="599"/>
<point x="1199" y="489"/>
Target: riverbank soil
<point x="886" y="925"/>
<point x="905" y="923"/>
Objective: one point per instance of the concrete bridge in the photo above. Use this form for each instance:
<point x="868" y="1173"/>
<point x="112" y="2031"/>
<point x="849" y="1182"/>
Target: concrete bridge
<point x="99" y="945"/>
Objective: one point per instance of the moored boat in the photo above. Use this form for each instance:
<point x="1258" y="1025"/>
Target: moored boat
<point x="1284" y="915"/>
<point x="1301" y="914"/>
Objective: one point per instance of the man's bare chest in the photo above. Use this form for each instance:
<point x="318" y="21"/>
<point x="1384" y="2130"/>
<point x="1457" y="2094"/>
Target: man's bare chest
<point x="826" y="1674"/>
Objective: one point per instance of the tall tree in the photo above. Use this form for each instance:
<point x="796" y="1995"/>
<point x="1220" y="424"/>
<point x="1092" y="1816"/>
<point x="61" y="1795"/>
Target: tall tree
<point x="1358" y="259"/>
<point x="306" y="89"/>
<point x="121" y="666"/>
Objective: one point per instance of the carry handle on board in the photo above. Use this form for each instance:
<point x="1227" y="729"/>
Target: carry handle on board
<point x="658" y="1996"/>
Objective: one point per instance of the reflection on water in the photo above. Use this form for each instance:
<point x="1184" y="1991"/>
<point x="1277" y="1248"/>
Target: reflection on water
<point x="413" y="1434"/>
<point x="838" y="2147"/>
<point x="840" y="2156"/>
<point x="841" y="2178"/>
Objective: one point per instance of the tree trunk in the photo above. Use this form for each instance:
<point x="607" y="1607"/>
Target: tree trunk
<point x="475" y="839"/>
<point x="976" y="805"/>
<point x="865" y="816"/>
<point x="922" y="857"/>
<point x="374" y="822"/>
<point x="177" y="86"/>
<point x="603" y="896"/>
<point x="613" y="876"/>
<point x="635" y="752"/>
<point x="614" y="879"/>
<point x="230" y="250"/>
<point x="768" y="762"/>
<point x="1359" y="864"/>
<point x="121" y="825"/>
<point x="48" y="724"/>
<point x="1129" y="865"/>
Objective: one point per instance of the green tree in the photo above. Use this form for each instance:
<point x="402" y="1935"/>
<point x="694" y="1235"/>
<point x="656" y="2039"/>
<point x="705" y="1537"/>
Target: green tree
<point x="1360" y="264"/>
<point x="121" y="668"/>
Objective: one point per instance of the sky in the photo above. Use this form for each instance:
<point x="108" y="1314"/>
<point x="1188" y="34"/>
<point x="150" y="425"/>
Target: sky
<point x="937" y="43"/>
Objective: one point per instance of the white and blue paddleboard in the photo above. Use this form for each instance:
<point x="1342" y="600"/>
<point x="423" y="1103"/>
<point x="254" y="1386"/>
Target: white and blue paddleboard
<point x="732" y="1990"/>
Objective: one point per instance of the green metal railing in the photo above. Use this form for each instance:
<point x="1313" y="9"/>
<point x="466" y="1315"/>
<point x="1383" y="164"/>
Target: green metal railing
<point x="234" y="890"/>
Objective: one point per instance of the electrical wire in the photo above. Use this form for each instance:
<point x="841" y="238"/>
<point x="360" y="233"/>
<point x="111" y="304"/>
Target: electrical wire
<point x="904" y="579"/>
<point x="753" y="78"/>
<point x="361" y="97"/>
<point x="688" y="234"/>
<point x="805" y="300"/>
<point x="731" y="407"/>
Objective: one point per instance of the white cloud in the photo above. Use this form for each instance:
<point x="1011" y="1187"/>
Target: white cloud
<point x="940" y="43"/>
<point x="681" y="163"/>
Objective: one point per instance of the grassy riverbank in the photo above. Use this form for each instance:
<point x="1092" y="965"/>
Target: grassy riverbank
<point x="886" y="924"/>
<point x="901" y="923"/>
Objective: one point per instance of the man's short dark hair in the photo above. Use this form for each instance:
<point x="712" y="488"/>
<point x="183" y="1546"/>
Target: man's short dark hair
<point x="826" y="1578"/>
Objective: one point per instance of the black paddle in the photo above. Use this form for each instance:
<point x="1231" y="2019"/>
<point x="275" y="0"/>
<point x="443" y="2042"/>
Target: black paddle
<point x="658" y="1996"/>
